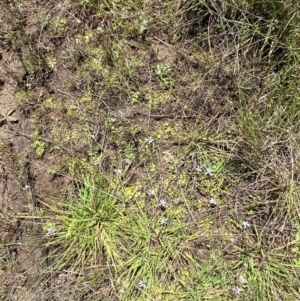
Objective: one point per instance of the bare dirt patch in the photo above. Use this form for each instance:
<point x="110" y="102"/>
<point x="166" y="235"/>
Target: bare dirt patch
<point x="25" y="183"/>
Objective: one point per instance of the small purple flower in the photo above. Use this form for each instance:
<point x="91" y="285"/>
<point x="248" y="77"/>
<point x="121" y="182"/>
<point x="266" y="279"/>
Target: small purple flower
<point x="142" y="284"/>
<point x="149" y="140"/>
<point x="118" y="171"/>
<point x="209" y="171"/>
<point x="162" y="203"/>
<point x="50" y="232"/>
<point x="236" y="290"/>
<point x="246" y="224"/>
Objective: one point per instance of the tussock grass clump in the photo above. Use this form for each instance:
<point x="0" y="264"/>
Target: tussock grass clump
<point x="90" y="224"/>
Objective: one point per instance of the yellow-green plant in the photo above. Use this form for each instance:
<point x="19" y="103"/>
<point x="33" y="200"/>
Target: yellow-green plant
<point x="89" y="223"/>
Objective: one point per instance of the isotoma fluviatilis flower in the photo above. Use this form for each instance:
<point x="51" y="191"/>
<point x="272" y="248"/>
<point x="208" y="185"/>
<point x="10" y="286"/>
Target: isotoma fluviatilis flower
<point x="128" y="161"/>
<point x="162" y="203"/>
<point x="236" y="290"/>
<point x="149" y="140"/>
<point x="163" y="221"/>
<point x="142" y="284"/>
<point x="246" y="224"/>
<point x="212" y="202"/>
<point x="143" y="24"/>
<point x="118" y="171"/>
<point x="26" y="187"/>
<point x="151" y="192"/>
<point x="198" y="169"/>
<point x="50" y="232"/>
<point x="209" y="171"/>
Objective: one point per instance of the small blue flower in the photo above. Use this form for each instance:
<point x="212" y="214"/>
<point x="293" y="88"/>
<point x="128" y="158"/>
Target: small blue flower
<point x="212" y="202"/>
<point x="128" y="161"/>
<point x="236" y="290"/>
<point x="198" y="169"/>
<point x="151" y="192"/>
<point x="246" y="224"/>
<point x="162" y="203"/>
<point x="26" y="187"/>
<point x="118" y="171"/>
<point x="143" y="24"/>
<point x="163" y="221"/>
<point x="149" y="140"/>
<point x="50" y="232"/>
<point x="142" y="284"/>
<point x="209" y="171"/>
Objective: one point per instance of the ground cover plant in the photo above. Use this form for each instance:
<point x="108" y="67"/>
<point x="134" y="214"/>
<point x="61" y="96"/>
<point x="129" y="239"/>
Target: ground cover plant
<point x="150" y="150"/>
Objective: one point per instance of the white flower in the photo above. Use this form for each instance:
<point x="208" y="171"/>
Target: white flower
<point x="151" y="192"/>
<point x="246" y="224"/>
<point x="99" y="28"/>
<point x="128" y="161"/>
<point x="142" y="284"/>
<point x="149" y="140"/>
<point x="162" y="203"/>
<point x="236" y="290"/>
<point x="209" y="171"/>
<point x="144" y="25"/>
<point x="26" y="187"/>
<point x="198" y="169"/>
<point x="118" y="171"/>
<point x="212" y="202"/>
<point x="163" y="221"/>
<point x="50" y="232"/>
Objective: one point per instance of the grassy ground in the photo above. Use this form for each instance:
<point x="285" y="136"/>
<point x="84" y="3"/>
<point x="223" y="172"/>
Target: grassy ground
<point x="176" y="125"/>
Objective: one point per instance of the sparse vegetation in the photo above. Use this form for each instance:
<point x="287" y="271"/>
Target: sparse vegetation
<point x="172" y="130"/>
